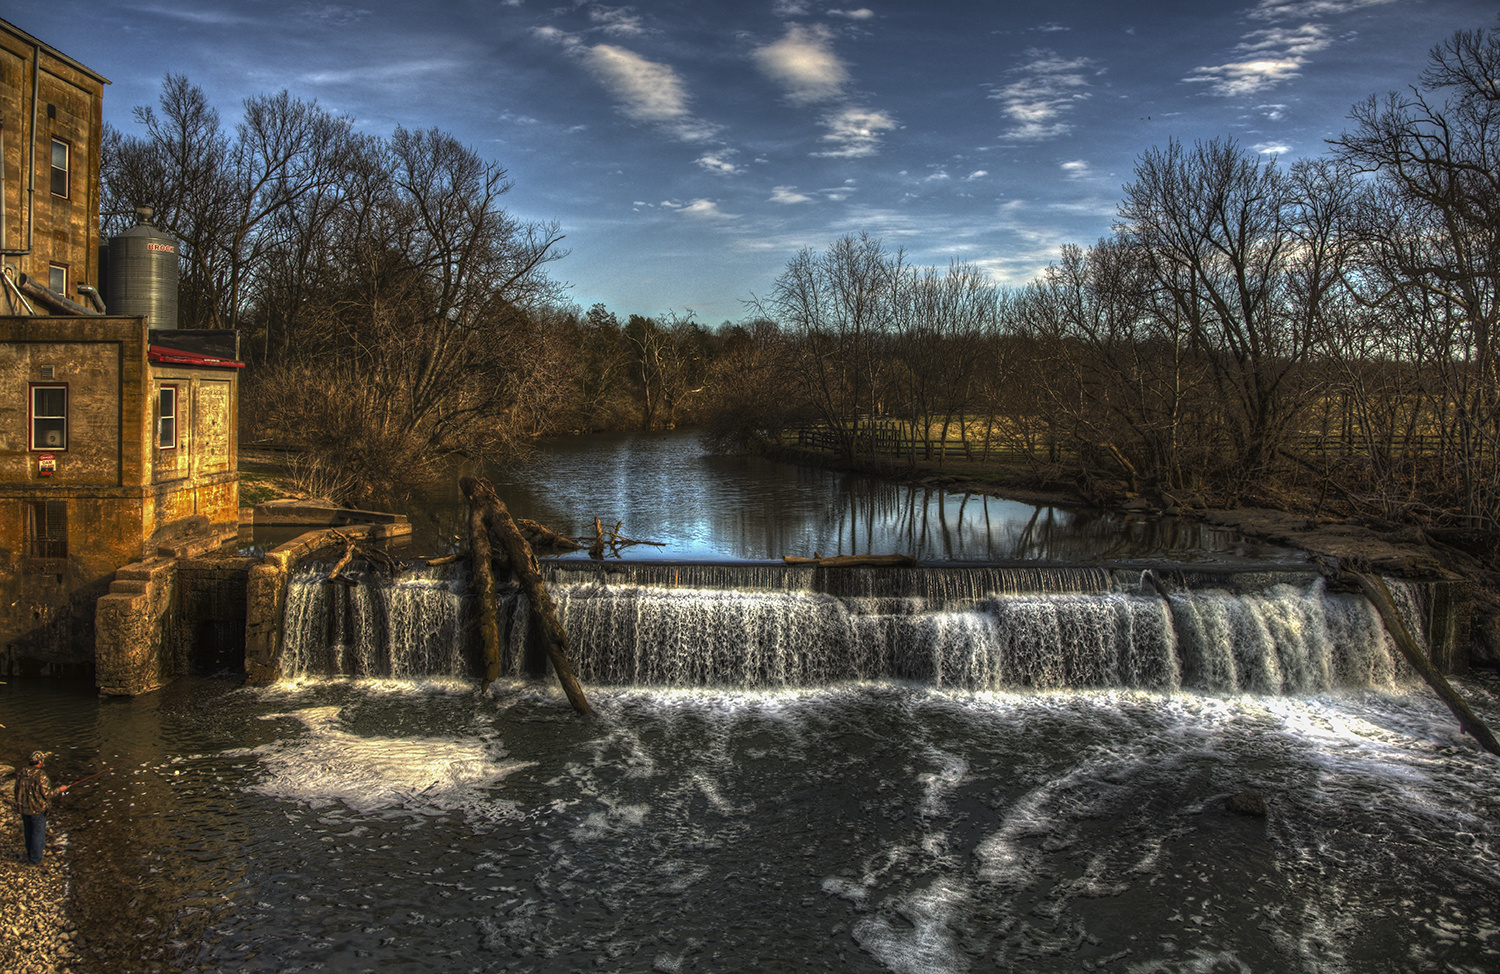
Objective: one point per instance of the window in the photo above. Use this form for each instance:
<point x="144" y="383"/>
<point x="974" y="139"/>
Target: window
<point x="49" y="417"/>
<point x="47" y="529"/>
<point x="59" y="168"/>
<point x="166" y="418"/>
<point x="57" y="278"/>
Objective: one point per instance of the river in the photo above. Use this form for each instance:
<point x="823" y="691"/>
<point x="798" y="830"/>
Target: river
<point x="871" y="823"/>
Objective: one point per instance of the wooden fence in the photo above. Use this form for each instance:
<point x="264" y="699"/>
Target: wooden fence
<point x="893" y="441"/>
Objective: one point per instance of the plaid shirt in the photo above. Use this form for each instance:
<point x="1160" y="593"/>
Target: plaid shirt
<point x="33" y="791"/>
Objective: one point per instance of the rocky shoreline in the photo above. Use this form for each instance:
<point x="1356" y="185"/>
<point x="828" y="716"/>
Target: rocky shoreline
<point x="38" y="932"/>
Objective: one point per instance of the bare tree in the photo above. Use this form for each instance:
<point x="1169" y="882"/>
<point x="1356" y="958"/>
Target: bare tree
<point x="837" y="304"/>
<point x="1220" y="233"/>
<point x="1431" y="228"/>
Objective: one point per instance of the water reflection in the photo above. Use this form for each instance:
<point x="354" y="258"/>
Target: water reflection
<point x="666" y="487"/>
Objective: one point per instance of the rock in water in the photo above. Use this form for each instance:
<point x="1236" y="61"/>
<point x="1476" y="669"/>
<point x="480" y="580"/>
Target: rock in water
<point x="1247" y="802"/>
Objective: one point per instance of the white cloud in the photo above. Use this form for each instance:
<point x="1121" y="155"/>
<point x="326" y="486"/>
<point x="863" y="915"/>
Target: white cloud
<point x="1279" y="53"/>
<point x="647" y="91"/>
<point x="1273" y="149"/>
<point x="1247" y="77"/>
<point x="1302" y="9"/>
<point x="1045" y="89"/>
<point x="863" y="13"/>
<point x="938" y="176"/>
<point x="557" y="36"/>
<point x="977" y="174"/>
<point x="701" y="209"/>
<point x="616" y="20"/>
<point x="788" y="194"/>
<point x="1076" y="168"/>
<point x="719" y="163"/>
<point x="855" y="132"/>
<point x="803" y="62"/>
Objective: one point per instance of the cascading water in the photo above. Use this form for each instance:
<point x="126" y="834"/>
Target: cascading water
<point x="364" y="625"/>
<point x="964" y="628"/>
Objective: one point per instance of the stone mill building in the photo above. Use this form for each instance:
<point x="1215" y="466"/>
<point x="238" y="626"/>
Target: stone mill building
<point x="118" y="431"/>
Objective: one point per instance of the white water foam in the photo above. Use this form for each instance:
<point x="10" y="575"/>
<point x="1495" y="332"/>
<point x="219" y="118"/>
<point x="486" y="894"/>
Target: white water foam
<point x="329" y="767"/>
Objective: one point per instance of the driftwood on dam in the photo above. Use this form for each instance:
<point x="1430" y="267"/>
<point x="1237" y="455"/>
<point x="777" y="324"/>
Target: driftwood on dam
<point x="1375" y="590"/>
<point x="851" y="561"/>
<point x="494" y="537"/>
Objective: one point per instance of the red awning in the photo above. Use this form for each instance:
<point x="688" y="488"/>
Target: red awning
<point x="176" y="356"/>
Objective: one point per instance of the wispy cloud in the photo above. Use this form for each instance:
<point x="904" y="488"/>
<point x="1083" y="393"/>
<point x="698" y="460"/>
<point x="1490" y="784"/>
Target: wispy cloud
<point x="863" y="13"/>
<point x="719" y="162"/>
<point x="788" y="194"/>
<point x="622" y="21"/>
<point x="1302" y="9"/>
<point x="855" y="132"/>
<point x="646" y="91"/>
<point x="1045" y="89"/>
<point x="1077" y="169"/>
<point x="803" y="62"/>
<point x="1273" y="55"/>
<point x="699" y="209"/>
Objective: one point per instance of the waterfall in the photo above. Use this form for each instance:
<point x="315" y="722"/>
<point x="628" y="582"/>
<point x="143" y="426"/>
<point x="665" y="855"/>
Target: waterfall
<point x="982" y="628"/>
<point x="366" y="625"/>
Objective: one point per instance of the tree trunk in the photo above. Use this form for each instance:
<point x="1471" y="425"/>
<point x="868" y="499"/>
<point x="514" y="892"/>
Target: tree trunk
<point x="484" y="586"/>
<point x="1375" y="590"/>
<point x="502" y="528"/>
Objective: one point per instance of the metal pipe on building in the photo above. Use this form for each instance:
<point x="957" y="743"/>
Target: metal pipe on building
<point x="92" y="293"/>
<point x="11" y="289"/>
<point x="36" y="94"/>
<point x="59" y="303"/>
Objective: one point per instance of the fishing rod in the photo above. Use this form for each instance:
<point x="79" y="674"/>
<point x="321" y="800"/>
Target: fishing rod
<point x="94" y="775"/>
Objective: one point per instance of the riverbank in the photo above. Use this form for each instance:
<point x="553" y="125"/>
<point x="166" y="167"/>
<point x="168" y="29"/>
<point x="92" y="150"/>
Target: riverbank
<point x="36" y="931"/>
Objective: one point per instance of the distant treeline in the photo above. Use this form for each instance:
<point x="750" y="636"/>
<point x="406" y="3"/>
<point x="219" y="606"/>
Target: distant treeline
<point x="1247" y="328"/>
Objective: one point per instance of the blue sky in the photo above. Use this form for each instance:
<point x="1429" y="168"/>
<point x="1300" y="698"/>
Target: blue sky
<point x="689" y="149"/>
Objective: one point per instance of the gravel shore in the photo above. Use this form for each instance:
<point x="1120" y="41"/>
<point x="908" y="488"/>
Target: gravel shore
<point x="36" y="934"/>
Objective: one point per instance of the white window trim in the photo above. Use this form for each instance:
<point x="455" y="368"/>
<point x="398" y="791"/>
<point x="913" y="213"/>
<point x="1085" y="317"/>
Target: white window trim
<point x="47" y="447"/>
<point x="67" y="168"/>
<point x="163" y="442"/>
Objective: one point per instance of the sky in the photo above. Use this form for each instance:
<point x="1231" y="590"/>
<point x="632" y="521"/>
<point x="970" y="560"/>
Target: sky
<point x="689" y="148"/>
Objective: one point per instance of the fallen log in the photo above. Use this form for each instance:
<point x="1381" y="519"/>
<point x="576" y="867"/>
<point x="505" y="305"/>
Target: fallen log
<point x="491" y="511"/>
<point x="1379" y="595"/>
<point x="852" y="561"/>
<point x="540" y="536"/>
<point x="483" y="577"/>
<point x="348" y="556"/>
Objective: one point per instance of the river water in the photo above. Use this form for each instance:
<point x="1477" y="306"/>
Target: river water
<point x="665" y="487"/>
<point x="952" y="805"/>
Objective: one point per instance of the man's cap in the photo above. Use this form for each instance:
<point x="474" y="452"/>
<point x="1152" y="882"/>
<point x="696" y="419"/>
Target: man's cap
<point x="37" y="757"/>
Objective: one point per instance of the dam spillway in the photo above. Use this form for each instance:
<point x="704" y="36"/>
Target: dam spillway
<point x="963" y="627"/>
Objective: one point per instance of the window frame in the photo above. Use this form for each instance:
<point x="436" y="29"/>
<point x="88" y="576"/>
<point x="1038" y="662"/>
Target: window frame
<point x="66" y="169"/>
<point x="52" y="542"/>
<point x="32" y="416"/>
<point x="52" y="271"/>
<point x="162" y="393"/>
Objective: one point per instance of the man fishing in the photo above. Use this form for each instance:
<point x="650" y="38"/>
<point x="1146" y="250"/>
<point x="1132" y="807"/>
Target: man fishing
<point x="34" y="792"/>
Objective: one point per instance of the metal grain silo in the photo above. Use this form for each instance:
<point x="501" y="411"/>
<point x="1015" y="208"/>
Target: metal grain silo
<point x="142" y="273"/>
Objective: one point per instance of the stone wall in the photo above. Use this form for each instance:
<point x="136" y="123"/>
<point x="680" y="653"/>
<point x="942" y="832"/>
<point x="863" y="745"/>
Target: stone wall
<point x="131" y="650"/>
